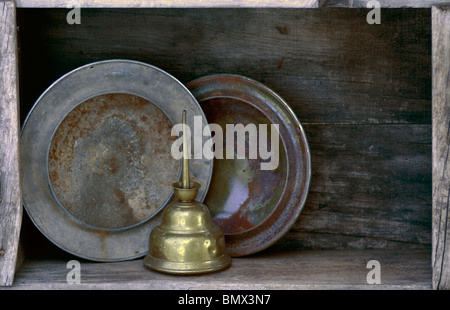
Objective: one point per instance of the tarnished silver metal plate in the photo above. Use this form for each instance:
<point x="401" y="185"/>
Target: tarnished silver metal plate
<point x="96" y="157"/>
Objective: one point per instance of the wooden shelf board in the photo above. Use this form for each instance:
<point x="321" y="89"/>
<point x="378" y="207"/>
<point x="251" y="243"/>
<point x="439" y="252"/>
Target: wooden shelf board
<point x="330" y="269"/>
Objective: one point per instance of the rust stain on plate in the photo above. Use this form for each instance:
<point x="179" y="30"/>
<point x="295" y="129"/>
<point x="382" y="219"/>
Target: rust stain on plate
<point x="108" y="158"/>
<point x="95" y="148"/>
<point x="243" y="195"/>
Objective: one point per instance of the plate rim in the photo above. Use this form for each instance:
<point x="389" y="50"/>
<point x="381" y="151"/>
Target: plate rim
<point x="144" y="226"/>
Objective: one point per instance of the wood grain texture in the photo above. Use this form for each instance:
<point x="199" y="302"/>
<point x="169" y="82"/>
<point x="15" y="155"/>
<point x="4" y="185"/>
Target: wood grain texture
<point x="362" y="92"/>
<point x="371" y="188"/>
<point x="10" y="194"/>
<point x="329" y="65"/>
<point x="399" y="269"/>
<point x="441" y="147"/>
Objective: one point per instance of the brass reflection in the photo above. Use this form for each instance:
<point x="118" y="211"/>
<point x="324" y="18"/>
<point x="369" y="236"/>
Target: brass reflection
<point x="187" y="241"/>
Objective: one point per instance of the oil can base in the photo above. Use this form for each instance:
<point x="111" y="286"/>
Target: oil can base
<point x="187" y="268"/>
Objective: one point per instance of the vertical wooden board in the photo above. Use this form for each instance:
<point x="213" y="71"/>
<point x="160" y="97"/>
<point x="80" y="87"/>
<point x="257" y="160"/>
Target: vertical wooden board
<point x="441" y="146"/>
<point x="10" y="193"/>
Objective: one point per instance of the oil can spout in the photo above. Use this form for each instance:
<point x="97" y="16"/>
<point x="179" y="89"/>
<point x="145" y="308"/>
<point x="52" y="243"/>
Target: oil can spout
<point x="187" y="241"/>
<point x="185" y="190"/>
<point x="185" y="178"/>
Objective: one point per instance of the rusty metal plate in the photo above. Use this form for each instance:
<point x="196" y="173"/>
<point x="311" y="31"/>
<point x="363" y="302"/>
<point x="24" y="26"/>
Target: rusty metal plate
<point x="96" y="157"/>
<point x="254" y="207"/>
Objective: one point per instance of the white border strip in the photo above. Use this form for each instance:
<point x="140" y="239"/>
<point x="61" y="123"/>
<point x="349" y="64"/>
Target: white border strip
<point x="399" y="3"/>
<point x="166" y="3"/>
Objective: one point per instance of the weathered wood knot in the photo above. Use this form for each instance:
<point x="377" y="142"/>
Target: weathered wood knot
<point x="283" y="30"/>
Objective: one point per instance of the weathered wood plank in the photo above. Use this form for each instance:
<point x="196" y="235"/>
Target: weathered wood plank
<point x="441" y="147"/>
<point x="329" y="65"/>
<point x="399" y="269"/>
<point x="10" y="194"/>
<point x="371" y="188"/>
<point x="166" y="3"/>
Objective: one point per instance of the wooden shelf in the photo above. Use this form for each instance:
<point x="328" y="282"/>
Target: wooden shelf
<point x="370" y="97"/>
<point x="326" y="269"/>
